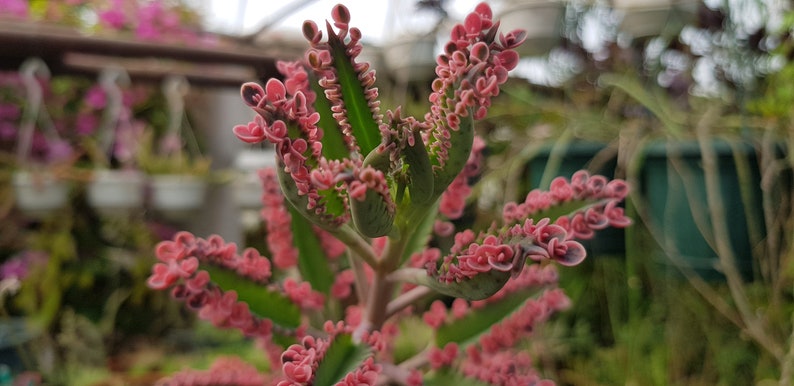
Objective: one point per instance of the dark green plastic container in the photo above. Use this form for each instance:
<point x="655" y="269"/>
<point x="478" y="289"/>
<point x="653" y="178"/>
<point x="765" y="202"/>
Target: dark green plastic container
<point x="676" y="197"/>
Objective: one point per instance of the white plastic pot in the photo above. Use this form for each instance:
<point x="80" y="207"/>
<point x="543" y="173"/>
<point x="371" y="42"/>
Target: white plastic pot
<point x="177" y="192"/>
<point x="39" y="193"/>
<point x="116" y="192"/>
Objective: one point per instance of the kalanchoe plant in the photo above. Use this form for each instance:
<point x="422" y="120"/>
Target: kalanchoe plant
<point x="350" y="213"/>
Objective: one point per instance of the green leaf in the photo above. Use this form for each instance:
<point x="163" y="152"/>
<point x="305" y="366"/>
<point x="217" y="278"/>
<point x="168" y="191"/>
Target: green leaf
<point x="371" y="215"/>
<point x="300" y="203"/>
<point x="564" y="209"/>
<point x="461" y="142"/>
<point x="312" y="260"/>
<point x="466" y="330"/>
<point x="419" y="233"/>
<point x="334" y="145"/>
<point x="343" y="356"/>
<point x="420" y="172"/>
<point x="446" y="377"/>
<point x="480" y="287"/>
<point x="378" y="160"/>
<point x="655" y="102"/>
<point x="262" y="301"/>
<point x="408" y="345"/>
<point x="357" y="109"/>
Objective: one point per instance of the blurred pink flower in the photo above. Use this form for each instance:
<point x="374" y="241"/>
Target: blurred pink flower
<point x="19" y="265"/>
<point x="112" y="18"/>
<point x="15" y="8"/>
<point x="96" y="97"/>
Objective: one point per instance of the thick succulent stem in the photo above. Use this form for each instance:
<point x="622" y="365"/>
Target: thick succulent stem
<point x="357" y="245"/>
<point x="406" y="299"/>
<point x="380" y="294"/>
<point x="382" y="289"/>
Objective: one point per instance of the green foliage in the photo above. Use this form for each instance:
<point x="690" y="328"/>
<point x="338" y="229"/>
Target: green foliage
<point x="408" y="345"/>
<point x="343" y="356"/>
<point x="465" y="331"/>
<point x="633" y="322"/>
<point x="420" y="173"/>
<point x="422" y="232"/>
<point x="447" y="377"/>
<point x="312" y="260"/>
<point x="371" y="215"/>
<point x="179" y="162"/>
<point x="334" y="146"/>
<point x="263" y="302"/>
<point x="359" y="115"/>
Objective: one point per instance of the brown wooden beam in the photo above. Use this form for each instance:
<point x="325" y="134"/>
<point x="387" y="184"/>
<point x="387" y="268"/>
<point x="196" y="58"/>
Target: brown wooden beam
<point x="65" y="48"/>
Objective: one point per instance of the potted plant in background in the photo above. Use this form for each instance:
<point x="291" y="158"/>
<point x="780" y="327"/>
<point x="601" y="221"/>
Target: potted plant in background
<point x="178" y="173"/>
<point x="39" y="183"/>
<point x="116" y="191"/>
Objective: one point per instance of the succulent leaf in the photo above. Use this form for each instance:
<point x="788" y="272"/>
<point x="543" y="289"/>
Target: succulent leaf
<point x="420" y="172"/>
<point x="312" y="260"/>
<point x="445" y="377"/>
<point x="461" y="141"/>
<point x="379" y="159"/>
<point x="262" y="301"/>
<point x="465" y="330"/>
<point x="372" y="215"/>
<point x="301" y="204"/>
<point x="343" y="356"/>
<point x="335" y="145"/>
<point x="420" y="234"/>
<point x="357" y="110"/>
<point x="477" y="288"/>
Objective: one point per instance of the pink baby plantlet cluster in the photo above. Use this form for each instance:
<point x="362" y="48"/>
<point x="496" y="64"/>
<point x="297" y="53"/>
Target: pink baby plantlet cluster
<point x="351" y="210"/>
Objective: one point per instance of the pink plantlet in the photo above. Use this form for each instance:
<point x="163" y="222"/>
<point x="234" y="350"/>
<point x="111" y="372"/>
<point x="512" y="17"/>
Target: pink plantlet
<point x="361" y="213"/>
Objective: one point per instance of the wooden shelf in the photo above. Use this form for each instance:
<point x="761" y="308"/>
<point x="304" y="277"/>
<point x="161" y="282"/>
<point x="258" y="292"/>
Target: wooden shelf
<point x="227" y="63"/>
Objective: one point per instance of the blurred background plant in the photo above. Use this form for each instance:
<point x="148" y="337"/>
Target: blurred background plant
<point x="73" y="295"/>
<point x="702" y="293"/>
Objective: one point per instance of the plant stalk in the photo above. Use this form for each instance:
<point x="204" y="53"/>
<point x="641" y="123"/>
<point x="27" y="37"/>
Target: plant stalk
<point x="357" y="245"/>
<point x="753" y="324"/>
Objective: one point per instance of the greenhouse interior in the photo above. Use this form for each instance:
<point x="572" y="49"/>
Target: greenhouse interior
<point x="400" y="192"/>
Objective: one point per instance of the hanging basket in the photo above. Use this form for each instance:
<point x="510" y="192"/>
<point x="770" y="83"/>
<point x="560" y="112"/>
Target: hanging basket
<point x="117" y="192"/>
<point x="37" y="190"/>
<point x="39" y="193"/>
<point x="176" y="195"/>
<point x="179" y="185"/>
